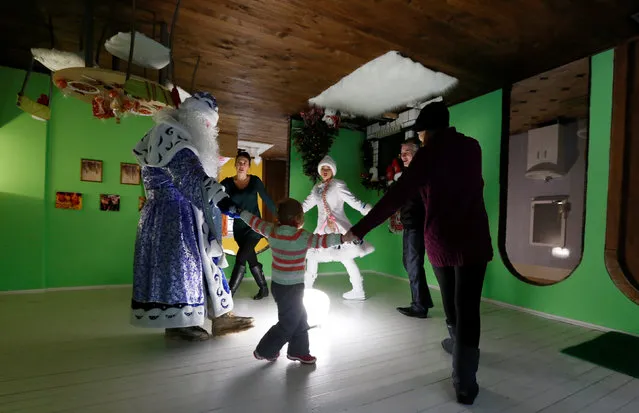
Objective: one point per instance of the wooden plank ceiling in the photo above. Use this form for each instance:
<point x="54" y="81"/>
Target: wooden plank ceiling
<point x="263" y="59"/>
<point x="560" y="92"/>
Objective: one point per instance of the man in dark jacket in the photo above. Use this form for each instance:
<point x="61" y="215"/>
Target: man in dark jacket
<point x="447" y="173"/>
<point x="412" y="218"/>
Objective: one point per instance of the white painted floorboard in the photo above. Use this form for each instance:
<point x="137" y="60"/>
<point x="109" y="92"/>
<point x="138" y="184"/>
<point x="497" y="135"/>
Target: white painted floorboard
<point x="74" y="351"/>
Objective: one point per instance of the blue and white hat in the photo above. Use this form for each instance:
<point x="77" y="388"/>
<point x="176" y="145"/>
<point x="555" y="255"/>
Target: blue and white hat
<point x="207" y="98"/>
<point x="201" y="102"/>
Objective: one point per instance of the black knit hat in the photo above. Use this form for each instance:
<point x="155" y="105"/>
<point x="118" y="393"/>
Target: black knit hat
<point x="432" y="117"/>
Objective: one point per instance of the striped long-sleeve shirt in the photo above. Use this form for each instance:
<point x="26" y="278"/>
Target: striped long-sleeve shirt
<point x="289" y="246"/>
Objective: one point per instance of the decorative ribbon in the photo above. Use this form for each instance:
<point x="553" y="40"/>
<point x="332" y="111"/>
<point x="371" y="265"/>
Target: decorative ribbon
<point x="330" y="220"/>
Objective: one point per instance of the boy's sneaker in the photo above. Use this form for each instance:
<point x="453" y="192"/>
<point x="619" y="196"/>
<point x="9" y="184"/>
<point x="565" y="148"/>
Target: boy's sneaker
<point x="257" y="356"/>
<point x="307" y="359"/>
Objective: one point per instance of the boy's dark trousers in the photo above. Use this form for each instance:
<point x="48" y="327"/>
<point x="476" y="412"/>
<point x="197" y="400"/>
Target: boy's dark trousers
<point x="291" y="327"/>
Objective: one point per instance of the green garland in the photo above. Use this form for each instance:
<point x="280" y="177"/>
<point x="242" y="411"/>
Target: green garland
<point x="314" y="139"/>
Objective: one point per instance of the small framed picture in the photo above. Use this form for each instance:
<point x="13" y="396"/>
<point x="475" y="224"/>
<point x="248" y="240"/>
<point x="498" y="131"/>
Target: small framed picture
<point x="141" y="202"/>
<point x="91" y="170"/>
<point x="129" y="173"/>
<point x="109" y="202"/>
<point x="68" y="200"/>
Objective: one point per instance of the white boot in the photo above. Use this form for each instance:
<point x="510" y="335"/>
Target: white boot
<point x="310" y="275"/>
<point x="357" y="293"/>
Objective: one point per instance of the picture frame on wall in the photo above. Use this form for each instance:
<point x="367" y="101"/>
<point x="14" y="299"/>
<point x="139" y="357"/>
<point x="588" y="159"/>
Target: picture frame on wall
<point x="91" y="170"/>
<point x="129" y="173"/>
<point x="109" y="202"/>
<point x="68" y="200"/>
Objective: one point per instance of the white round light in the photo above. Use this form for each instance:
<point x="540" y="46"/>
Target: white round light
<point x="559" y="252"/>
<point x="317" y="305"/>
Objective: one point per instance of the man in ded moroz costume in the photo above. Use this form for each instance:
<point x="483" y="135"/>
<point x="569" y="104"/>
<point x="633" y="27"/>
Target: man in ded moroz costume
<point x="178" y="280"/>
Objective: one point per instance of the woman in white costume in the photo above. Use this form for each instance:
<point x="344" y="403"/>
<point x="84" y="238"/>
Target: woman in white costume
<point x="329" y="197"/>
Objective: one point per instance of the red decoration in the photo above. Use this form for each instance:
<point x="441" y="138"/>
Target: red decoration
<point x="101" y="108"/>
<point x="61" y="83"/>
<point x="397" y="168"/>
<point x="43" y="100"/>
<point x="395" y="223"/>
<point x="175" y="95"/>
<point x="129" y="105"/>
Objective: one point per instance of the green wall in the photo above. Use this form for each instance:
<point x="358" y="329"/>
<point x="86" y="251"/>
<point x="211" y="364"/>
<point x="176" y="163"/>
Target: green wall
<point x="45" y="247"/>
<point x="22" y="176"/>
<point x="588" y="295"/>
<point x="90" y="247"/>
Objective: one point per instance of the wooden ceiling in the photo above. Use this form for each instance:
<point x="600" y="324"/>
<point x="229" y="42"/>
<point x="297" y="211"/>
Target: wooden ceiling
<point x="561" y="92"/>
<point x="263" y="59"/>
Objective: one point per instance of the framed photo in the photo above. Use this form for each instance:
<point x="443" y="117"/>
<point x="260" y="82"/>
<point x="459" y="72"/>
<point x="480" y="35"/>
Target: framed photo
<point x="109" y="202"/>
<point x="129" y="173"/>
<point x="141" y="202"/>
<point x="91" y="170"/>
<point x="68" y="200"/>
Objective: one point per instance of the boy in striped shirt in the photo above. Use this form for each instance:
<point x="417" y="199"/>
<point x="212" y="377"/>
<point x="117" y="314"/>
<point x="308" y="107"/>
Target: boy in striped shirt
<point x="289" y="244"/>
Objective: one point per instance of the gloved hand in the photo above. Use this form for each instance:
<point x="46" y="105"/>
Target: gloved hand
<point x="350" y="237"/>
<point x="228" y="207"/>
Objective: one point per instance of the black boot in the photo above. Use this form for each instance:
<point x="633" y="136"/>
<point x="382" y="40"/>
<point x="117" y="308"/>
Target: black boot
<point x="236" y="277"/>
<point x="465" y="365"/>
<point x="258" y="274"/>
<point x="449" y="342"/>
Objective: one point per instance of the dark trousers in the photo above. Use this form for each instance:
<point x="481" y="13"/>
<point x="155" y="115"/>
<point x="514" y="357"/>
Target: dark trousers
<point x="246" y="251"/>
<point x="461" y="294"/>
<point x="291" y="326"/>
<point x="413" y="258"/>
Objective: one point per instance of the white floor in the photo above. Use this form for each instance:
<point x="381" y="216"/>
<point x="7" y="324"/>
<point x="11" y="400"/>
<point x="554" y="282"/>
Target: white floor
<point x="75" y="352"/>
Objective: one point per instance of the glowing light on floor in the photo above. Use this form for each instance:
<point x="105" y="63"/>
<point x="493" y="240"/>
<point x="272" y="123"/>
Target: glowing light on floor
<point x="317" y="305"/>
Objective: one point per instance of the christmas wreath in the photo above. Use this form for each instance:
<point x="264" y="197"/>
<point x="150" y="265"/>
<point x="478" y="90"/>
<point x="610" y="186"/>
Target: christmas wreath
<point x="314" y="139"/>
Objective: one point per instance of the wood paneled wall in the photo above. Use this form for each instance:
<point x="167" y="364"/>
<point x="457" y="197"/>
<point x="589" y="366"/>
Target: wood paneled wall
<point x="622" y="229"/>
<point x="275" y="175"/>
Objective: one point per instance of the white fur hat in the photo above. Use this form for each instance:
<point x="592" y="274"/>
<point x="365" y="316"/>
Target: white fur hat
<point x="327" y="161"/>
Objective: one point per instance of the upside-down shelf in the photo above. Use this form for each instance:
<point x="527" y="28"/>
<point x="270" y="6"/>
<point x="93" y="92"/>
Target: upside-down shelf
<point x="111" y="94"/>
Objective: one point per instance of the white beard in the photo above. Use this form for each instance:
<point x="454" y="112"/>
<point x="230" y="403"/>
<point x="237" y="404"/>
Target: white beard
<point x="203" y="138"/>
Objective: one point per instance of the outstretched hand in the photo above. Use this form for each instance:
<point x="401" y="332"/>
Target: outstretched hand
<point x="228" y="207"/>
<point x="350" y="237"/>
